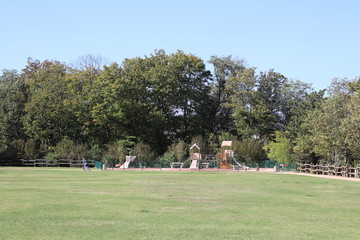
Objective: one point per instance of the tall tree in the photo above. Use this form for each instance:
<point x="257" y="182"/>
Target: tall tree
<point x="270" y="86"/>
<point x="190" y="80"/>
<point x="154" y="98"/>
<point x="249" y="112"/>
<point x="224" y="69"/>
<point x="13" y="95"/>
<point x="47" y="119"/>
<point x="331" y="129"/>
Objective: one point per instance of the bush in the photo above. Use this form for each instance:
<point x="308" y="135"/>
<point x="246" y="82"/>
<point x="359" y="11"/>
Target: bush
<point x="31" y="149"/>
<point x="250" y="152"/>
<point x="176" y="152"/>
<point x="115" y="152"/>
<point x="17" y="147"/>
<point x="94" y="153"/>
<point x="53" y="156"/>
<point x="279" y="149"/>
<point x="179" y="151"/>
<point x="62" y="148"/>
<point x="167" y="159"/>
<point x="144" y="154"/>
<point x="67" y="149"/>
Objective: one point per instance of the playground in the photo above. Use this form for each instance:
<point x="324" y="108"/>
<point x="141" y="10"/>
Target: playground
<point x="197" y="161"/>
<point x="69" y="203"/>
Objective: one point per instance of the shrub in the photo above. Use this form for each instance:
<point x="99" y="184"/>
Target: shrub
<point x="250" y="152"/>
<point x="63" y="147"/>
<point x="77" y="151"/>
<point x="31" y="149"/>
<point x="179" y="151"/>
<point x="144" y="154"/>
<point x="167" y="158"/>
<point x="67" y="149"/>
<point x="94" y="153"/>
<point x="52" y="156"/>
<point x="17" y="147"/>
<point x="115" y="152"/>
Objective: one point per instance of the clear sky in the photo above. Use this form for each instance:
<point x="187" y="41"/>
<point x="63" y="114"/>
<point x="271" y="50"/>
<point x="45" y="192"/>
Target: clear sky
<point x="310" y="40"/>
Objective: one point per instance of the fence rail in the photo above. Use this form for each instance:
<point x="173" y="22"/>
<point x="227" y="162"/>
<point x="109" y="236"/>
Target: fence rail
<point x="46" y="163"/>
<point x="333" y="170"/>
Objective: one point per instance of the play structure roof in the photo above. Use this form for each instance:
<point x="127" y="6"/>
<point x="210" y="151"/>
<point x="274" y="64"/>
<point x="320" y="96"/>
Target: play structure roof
<point x="195" y="145"/>
<point x="226" y="144"/>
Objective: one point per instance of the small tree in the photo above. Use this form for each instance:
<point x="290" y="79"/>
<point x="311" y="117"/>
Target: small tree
<point x="94" y="153"/>
<point x="144" y="154"/>
<point x="115" y="152"/>
<point x="62" y="147"/>
<point x="31" y="149"/>
<point x="250" y="151"/>
<point x="175" y="152"/>
<point x="279" y="149"/>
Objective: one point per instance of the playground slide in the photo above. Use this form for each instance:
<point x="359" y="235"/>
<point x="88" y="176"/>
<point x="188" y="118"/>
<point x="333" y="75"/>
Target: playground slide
<point x="240" y="166"/>
<point x="193" y="164"/>
<point x="237" y="162"/>
<point x="125" y="165"/>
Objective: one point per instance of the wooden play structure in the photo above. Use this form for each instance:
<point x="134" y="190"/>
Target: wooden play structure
<point x="226" y="155"/>
<point x="223" y="160"/>
<point x="195" y="156"/>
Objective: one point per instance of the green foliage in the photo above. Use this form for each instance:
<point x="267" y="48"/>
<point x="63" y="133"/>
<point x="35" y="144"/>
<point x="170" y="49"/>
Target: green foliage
<point x="162" y="99"/>
<point x="350" y="128"/>
<point x="53" y="156"/>
<point x="176" y="152"/>
<point x="78" y="151"/>
<point x="249" y="151"/>
<point x="94" y="153"/>
<point x="179" y="150"/>
<point x="215" y="140"/>
<point x="280" y="148"/>
<point x="62" y="148"/>
<point x="17" y="148"/>
<point x="167" y="158"/>
<point x="47" y="119"/>
<point x="2" y="147"/>
<point x="144" y="154"/>
<point x="115" y="152"/>
<point x="202" y="143"/>
<point x="68" y="149"/>
<point x="329" y="132"/>
<point x="225" y="68"/>
<point x="31" y="149"/>
<point x="13" y="96"/>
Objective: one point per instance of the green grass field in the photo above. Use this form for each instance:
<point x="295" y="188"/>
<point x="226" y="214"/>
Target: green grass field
<point x="39" y="203"/>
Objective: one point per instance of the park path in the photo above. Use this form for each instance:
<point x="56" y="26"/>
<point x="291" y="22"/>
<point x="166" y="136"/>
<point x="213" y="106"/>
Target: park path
<point x="324" y="176"/>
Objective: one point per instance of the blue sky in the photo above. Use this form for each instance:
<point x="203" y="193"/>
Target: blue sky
<point x="312" y="41"/>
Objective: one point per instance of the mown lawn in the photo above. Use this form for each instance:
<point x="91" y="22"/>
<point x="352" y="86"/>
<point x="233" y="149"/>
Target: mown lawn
<point x="40" y="203"/>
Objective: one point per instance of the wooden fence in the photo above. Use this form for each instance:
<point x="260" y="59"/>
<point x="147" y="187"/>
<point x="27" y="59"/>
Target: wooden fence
<point x="56" y="163"/>
<point x="333" y="170"/>
<point x="11" y="162"/>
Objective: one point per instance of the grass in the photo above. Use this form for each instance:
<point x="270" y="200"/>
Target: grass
<point x="41" y="203"/>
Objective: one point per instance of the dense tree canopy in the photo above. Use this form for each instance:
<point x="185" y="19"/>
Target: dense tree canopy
<point x="156" y="103"/>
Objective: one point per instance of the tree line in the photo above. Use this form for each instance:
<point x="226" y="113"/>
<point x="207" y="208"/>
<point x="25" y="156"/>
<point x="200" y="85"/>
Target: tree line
<point x="155" y="106"/>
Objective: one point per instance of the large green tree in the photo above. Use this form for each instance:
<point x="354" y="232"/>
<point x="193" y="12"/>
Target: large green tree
<point x="46" y="118"/>
<point x="13" y="95"/>
<point x="330" y="132"/>
<point x="250" y="113"/>
<point x="158" y="98"/>
<point x="224" y="68"/>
